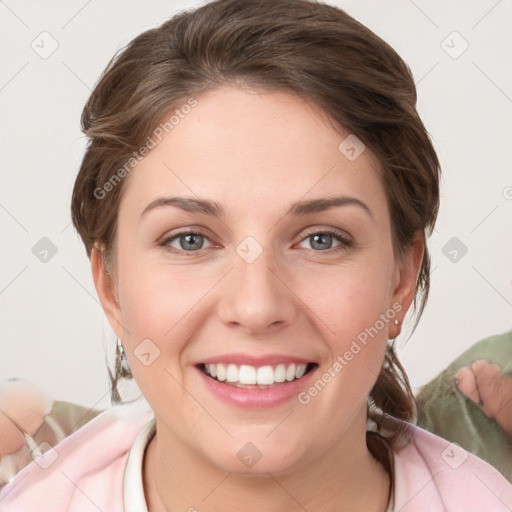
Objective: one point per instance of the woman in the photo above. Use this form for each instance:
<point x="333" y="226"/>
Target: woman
<point x="255" y="200"/>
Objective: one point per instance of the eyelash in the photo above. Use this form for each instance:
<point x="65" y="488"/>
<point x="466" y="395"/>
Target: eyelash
<point x="345" y="243"/>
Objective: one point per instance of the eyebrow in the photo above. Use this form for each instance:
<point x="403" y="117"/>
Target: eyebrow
<point x="212" y="208"/>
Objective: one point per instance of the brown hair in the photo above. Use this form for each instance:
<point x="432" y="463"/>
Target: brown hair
<point x="311" y="49"/>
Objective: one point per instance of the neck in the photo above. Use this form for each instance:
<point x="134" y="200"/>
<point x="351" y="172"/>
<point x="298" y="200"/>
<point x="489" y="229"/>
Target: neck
<point x="347" y="477"/>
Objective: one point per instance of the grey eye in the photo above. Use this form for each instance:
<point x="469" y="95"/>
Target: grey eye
<point x="321" y="241"/>
<point x="188" y="242"/>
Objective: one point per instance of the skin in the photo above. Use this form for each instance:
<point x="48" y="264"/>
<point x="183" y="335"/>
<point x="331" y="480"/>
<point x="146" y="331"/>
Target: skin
<point x="483" y="382"/>
<point x="23" y="407"/>
<point x="256" y="153"/>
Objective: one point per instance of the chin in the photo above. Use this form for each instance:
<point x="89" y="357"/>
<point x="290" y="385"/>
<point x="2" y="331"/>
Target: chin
<point x="258" y="457"/>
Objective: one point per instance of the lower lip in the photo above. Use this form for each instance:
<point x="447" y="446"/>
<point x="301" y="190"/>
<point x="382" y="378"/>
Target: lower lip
<point x="247" y="397"/>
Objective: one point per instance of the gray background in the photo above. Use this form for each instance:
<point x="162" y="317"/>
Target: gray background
<point x="52" y="328"/>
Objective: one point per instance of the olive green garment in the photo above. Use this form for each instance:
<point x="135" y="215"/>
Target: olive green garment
<point x="445" y="411"/>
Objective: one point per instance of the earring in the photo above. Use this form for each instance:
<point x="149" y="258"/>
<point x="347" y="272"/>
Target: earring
<point x="397" y="323"/>
<point x="122" y="365"/>
<point x="122" y="369"/>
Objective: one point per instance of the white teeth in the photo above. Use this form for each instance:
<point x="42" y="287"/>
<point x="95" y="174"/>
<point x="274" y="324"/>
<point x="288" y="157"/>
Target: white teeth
<point x="265" y="375"/>
<point x="250" y="375"/>
<point x="290" y="372"/>
<point x="301" y="370"/>
<point x="280" y="373"/>
<point x="221" y="372"/>
<point x="232" y="373"/>
<point x="247" y="374"/>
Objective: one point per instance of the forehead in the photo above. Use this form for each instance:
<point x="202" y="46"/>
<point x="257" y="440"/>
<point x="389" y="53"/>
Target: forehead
<point x="253" y="149"/>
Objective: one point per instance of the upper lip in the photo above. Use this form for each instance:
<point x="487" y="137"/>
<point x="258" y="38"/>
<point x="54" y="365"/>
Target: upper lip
<point x="252" y="360"/>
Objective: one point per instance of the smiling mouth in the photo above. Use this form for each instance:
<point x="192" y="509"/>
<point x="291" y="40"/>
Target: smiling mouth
<point x="263" y="377"/>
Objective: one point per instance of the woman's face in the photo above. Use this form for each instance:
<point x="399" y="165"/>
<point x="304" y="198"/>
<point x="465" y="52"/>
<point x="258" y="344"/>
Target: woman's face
<point x="257" y="288"/>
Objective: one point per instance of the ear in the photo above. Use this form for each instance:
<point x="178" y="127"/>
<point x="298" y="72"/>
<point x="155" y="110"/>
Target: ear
<point x="406" y="275"/>
<point x="106" y="290"/>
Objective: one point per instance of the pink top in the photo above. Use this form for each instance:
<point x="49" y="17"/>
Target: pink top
<point x="98" y="467"/>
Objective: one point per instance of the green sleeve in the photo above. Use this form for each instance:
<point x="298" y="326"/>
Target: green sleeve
<point x="443" y="410"/>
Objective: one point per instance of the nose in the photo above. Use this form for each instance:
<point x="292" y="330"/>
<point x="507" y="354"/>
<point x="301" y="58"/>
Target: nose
<point x="256" y="296"/>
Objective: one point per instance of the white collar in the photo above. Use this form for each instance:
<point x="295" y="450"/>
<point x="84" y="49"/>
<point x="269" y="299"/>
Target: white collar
<point x="133" y="489"/>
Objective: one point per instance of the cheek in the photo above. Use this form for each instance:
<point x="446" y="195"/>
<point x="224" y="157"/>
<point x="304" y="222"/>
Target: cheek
<point x="155" y="295"/>
<point x="348" y="299"/>
<point x="351" y="308"/>
<point x="163" y="309"/>
<point x="158" y="312"/>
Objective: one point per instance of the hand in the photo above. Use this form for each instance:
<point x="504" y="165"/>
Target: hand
<point x="23" y="407"/>
<point x="483" y="383"/>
